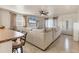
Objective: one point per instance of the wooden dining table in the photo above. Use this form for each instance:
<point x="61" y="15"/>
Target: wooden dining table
<point x="6" y="37"/>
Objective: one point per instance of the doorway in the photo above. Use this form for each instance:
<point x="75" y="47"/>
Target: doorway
<point x="67" y="27"/>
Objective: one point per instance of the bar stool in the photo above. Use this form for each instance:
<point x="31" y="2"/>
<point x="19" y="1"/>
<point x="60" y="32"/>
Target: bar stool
<point x="19" y="43"/>
<point x="2" y="27"/>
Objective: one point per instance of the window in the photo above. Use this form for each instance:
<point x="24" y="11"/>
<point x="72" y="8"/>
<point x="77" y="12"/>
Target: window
<point x="49" y="23"/>
<point x="32" y="21"/>
<point x="19" y="20"/>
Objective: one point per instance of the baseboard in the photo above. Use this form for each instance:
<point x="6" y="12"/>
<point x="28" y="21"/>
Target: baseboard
<point x="35" y="46"/>
<point x="52" y="42"/>
<point x="67" y="34"/>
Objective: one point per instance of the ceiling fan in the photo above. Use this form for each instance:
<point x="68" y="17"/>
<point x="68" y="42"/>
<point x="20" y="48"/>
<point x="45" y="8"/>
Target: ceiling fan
<point x="43" y="12"/>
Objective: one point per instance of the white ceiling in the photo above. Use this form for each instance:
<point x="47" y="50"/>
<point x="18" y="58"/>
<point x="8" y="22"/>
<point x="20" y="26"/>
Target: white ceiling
<point x="52" y="9"/>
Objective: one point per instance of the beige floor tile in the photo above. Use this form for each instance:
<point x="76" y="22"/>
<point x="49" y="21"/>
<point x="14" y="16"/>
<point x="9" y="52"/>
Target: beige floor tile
<point x="64" y="44"/>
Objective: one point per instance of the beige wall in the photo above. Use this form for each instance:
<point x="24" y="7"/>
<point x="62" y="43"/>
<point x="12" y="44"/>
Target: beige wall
<point x="5" y="18"/>
<point x="40" y="22"/>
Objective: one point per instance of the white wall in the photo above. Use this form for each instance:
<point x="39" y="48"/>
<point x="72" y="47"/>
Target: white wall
<point x="0" y="17"/>
<point x="76" y="31"/>
<point x="71" y="18"/>
<point x="5" y="18"/>
<point x="74" y="17"/>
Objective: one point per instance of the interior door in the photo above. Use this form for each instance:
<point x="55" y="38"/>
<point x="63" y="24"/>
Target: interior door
<point x="68" y="27"/>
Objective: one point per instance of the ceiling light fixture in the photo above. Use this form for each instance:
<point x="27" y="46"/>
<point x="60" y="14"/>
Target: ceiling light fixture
<point x="43" y="12"/>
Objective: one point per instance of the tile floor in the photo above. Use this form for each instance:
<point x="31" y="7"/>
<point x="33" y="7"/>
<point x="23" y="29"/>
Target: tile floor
<point x="64" y="44"/>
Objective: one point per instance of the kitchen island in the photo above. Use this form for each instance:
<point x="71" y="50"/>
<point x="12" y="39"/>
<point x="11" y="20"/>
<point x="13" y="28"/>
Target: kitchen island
<point x="6" y="37"/>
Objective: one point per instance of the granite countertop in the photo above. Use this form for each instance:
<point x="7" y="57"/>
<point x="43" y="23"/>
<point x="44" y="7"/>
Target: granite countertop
<point x="7" y="34"/>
